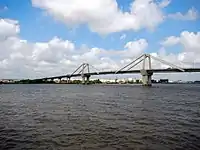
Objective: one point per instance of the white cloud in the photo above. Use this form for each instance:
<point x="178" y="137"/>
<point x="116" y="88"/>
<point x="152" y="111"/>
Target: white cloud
<point x="192" y="14"/>
<point x="8" y="28"/>
<point x="170" y="41"/>
<point x="104" y="16"/>
<point x="53" y="51"/>
<point x="135" y="48"/>
<point x="189" y="40"/>
<point x="22" y="59"/>
<point x="164" y="3"/>
<point x="123" y="36"/>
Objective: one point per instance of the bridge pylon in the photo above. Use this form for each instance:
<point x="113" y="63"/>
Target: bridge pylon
<point x="83" y="70"/>
<point x="146" y="72"/>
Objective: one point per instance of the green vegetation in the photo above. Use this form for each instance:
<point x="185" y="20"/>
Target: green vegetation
<point x="38" y="81"/>
<point x="80" y="82"/>
<point x="76" y="82"/>
<point x="96" y="82"/>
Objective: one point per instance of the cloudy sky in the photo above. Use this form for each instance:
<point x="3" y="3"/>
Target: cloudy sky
<point x="41" y="38"/>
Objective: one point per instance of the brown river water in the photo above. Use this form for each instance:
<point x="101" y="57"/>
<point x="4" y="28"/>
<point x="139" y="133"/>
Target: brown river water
<point x="99" y="117"/>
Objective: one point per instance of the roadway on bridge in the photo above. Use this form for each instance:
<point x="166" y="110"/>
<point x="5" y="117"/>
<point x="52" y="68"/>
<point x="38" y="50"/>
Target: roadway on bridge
<point x="172" y="70"/>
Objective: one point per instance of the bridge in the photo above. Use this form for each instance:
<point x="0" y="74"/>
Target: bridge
<point x="84" y="70"/>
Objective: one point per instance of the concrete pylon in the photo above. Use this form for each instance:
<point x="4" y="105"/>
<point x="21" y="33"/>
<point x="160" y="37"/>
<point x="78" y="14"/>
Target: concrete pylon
<point x="83" y="79"/>
<point x="44" y="80"/>
<point x="59" y="80"/>
<point x="86" y="79"/>
<point x="68" y="80"/>
<point x="146" y="77"/>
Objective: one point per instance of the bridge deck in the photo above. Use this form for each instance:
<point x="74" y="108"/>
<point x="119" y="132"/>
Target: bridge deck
<point x="127" y="72"/>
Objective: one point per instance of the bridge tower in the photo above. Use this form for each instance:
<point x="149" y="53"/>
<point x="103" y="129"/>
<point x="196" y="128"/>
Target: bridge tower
<point x="146" y="75"/>
<point x="84" y="71"/>
<point x="146" y="72"/>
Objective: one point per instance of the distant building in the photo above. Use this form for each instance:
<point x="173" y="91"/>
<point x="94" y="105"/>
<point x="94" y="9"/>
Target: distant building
<point x="197" y="82"/>
<point x="163" y="81"/>
<point x="154" y="81"/>
<point x="7" y="81"/>
<point x="57" y="80"/>
<point x="108" y="80"/>
<point x="137" y="81"/>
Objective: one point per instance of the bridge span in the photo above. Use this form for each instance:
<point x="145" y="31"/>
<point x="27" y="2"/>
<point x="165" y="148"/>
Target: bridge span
<point x="172" y="70"/>
<point x="84" y="70"/>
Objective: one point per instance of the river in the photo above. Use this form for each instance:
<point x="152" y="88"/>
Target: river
<point x="99" y="117"/>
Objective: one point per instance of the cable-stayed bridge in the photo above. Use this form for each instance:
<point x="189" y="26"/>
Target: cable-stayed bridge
<point x="84" y="70"/>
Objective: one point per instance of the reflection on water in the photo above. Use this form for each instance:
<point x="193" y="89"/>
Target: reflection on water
<point x="99" y="117"/>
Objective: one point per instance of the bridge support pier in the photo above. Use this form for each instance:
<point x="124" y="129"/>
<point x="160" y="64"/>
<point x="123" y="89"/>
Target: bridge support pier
<point x="83" y="79"/>
<point x="146" y="77"/>
<point x="44" y="80"/>
<point x="59" y="80"/>
<point x="50" y="80"/>
<point x="68" y="80"/>
<point x="86" y="79"/>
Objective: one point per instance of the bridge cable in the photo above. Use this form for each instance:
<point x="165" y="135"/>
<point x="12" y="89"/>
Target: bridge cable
<point x="130" y="63"/>
<point x="167" y="63"/>
<point x="136" y="64"/>
<point x="95" y="69"/>
<point x="77" y="69"/>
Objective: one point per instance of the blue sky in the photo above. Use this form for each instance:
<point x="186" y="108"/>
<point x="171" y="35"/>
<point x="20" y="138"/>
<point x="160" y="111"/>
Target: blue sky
<point x="36" y="26"/>
<point x="143" y="23"/>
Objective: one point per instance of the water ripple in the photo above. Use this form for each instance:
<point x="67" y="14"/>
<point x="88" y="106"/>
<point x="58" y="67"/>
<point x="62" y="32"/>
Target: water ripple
<point x="109" y="117"/>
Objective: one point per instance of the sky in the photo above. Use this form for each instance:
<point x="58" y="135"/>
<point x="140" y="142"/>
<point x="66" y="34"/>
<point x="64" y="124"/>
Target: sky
<point x="41" y="38"/>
